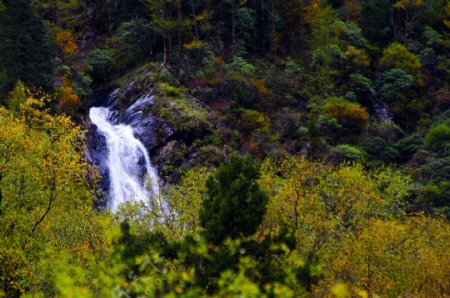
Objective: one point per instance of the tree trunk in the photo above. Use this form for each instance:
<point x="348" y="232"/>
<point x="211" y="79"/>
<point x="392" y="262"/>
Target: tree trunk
<point x="179" y="32"/>
<point x="194" y="15"/>
<point x="233" y="29"/>
<point x="164" y="37"/>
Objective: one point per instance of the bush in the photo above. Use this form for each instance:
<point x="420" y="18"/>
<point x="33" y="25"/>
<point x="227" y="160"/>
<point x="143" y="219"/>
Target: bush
<point x="397" y="55"/>
<point x="346" y="153"/>
<point x="377" y="148"/>
<point x="437" y="137"/>
<point x="394" y="82"/>
<point x="327" y="126"/>
<point x="433" y="198"/>
<point x="352" y="116"/>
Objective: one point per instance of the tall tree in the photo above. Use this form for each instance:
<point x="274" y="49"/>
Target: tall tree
<point x="25" y="46"/>
<point x="46" y="206"/>
<point x="236" y="203"/>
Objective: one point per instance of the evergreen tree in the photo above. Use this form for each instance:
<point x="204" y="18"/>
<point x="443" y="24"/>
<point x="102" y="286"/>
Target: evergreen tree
<point x="25" y="48"/>
<point x="236" y="203"/>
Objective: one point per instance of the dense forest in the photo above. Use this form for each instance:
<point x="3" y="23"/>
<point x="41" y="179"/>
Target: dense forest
<point x="303" y="148"/>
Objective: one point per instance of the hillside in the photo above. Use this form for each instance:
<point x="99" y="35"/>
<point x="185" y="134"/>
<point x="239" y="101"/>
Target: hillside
<point x="228" y="148"/>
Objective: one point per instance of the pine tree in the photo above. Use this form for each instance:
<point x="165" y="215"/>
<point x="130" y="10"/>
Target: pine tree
<point x="25" y="47"/>
<point x="236" y="203"/>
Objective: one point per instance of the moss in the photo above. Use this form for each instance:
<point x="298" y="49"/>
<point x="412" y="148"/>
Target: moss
<point x="181" y="111"/>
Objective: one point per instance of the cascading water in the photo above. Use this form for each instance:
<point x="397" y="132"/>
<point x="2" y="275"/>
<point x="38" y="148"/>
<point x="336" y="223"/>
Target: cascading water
<point x="132" y="177"/>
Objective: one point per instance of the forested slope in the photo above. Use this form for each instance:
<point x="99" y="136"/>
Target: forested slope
<point x="309" y="152"/>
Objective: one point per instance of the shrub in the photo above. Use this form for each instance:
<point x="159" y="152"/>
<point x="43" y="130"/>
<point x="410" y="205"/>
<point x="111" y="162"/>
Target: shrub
<point x="437" y="137"/>
<point x="346" y="152"/>
<point x="394" y="82"/>
<point x="397" y="55"/>
<point x="327" y="125"/>
<point x="352" y="116"/>
<point x="377" y="148"/>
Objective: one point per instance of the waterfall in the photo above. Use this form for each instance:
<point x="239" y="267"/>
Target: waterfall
<point x="132" y="177"/>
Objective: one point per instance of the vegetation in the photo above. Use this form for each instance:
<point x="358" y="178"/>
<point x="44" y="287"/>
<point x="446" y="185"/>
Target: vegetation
<point x="341" y="109"/>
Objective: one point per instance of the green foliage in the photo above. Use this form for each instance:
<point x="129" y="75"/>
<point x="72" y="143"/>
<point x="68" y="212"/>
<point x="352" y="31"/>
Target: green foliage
<point x="394" y="82"/>
<point x="433" y="198"/>
<point x="373" y="20"/>
<point x="278" y="78"/>
<point x="438" y="137"/>
<point x="344" y="214"/>
<point x="433" y="37"/>
<point x="16" y="98"/>
<point x="246" y="29"/>
<point x="379" y="149"/>
<point x="137" y="39"/>
<point x="346" y="152"/>
<point x="235" y="204"/>
<point x="103" y="66"/>
<point x="242" y="65"/>
<point x="397" y="55"/>
<point x="181" y="111"/>
<point x="252" y="121"/>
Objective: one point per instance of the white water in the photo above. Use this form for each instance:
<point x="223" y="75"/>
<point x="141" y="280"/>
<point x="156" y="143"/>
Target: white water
<point x="126" y="158"/>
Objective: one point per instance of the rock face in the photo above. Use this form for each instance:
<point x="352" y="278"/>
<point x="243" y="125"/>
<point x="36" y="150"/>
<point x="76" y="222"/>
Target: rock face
<point x="150" y="130"/>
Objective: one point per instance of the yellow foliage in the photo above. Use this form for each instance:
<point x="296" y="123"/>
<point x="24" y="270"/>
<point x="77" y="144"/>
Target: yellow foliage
<point x="349" y="114"/>
<point x="352" y="220"/>
<point x="358" y="56"/>
<point x="340" y="290"/>
<point x="260" y="87"/>
<point x="311" y="10"/>
<point x="405" y="4"/>
<point x="46" y="202"/>
<point x="398" y="56"/>
<point x="447" y="14"/>
<point x="194" y="45"/>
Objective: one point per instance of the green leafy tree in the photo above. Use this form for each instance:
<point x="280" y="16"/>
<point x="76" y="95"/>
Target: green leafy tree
<point x="236" y="204"/>
<point x="352" y="116"/>
<point x="16" y="98"/>
<point x="397" y="55"/>
<point x="102" y="65"/>
<point x="394" y="83"/>
<point x="438" y="137"/>
<point x="46" y="206"/>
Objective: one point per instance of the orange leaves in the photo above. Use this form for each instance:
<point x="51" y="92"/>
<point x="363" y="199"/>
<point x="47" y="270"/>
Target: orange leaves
<point x="66" y="42"/>
<point x="259" y="86"/>
<point x="358" y="56"/>
<point x="69" y="101"/>
<point x="311" y="10"/>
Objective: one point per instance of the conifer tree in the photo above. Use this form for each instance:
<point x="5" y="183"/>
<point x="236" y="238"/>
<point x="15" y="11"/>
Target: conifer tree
<point x="236" y="203"/>
<point x="25" y="47"/>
